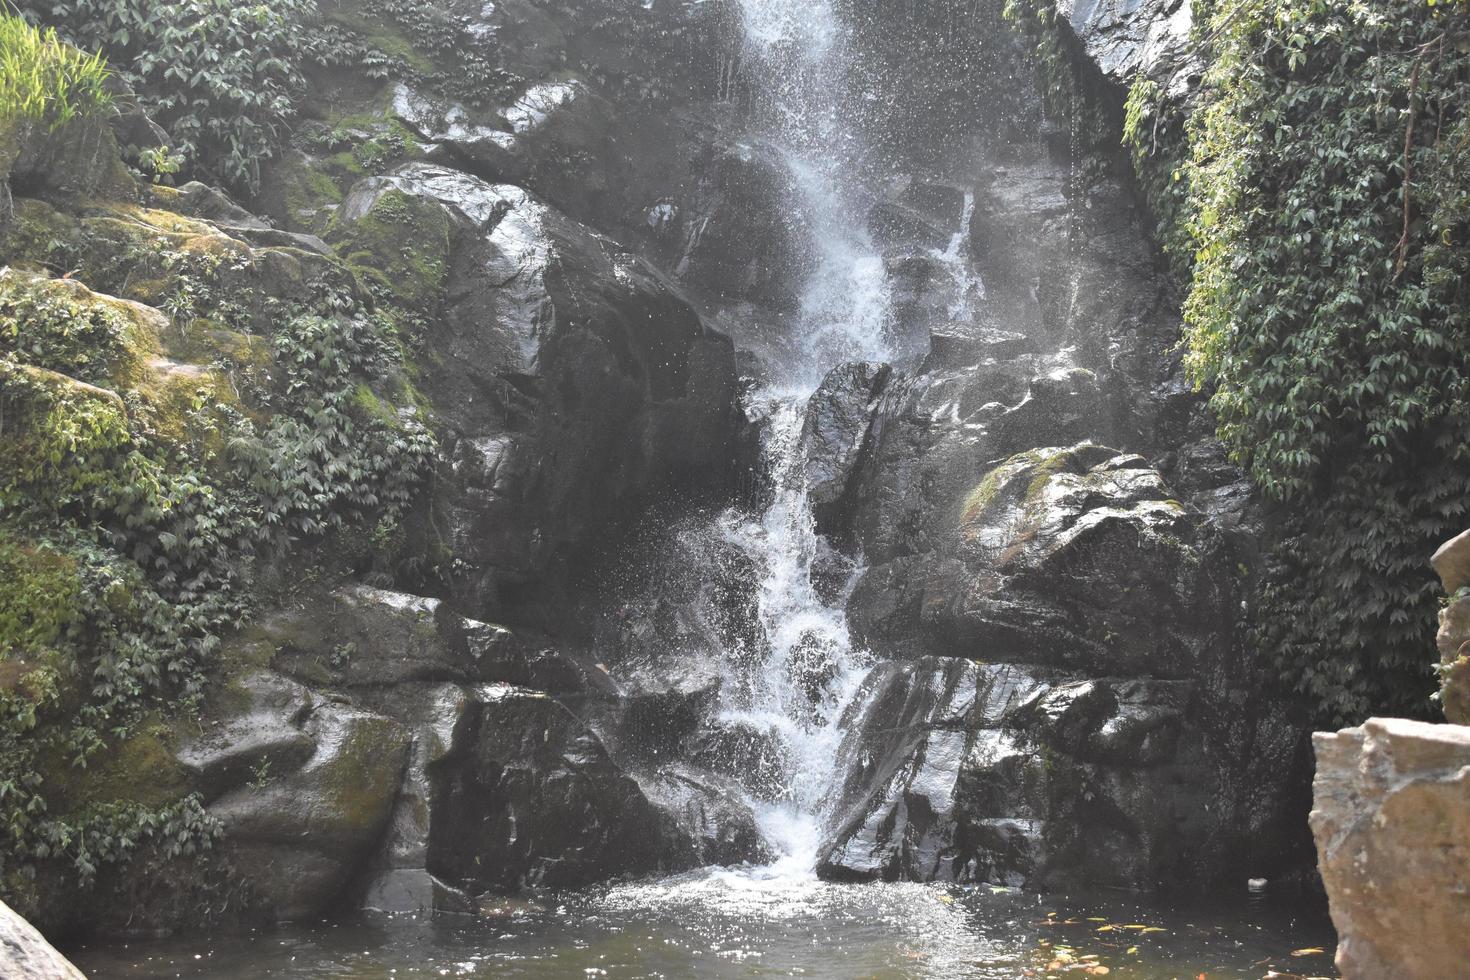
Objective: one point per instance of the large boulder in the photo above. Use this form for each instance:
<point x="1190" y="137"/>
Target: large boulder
<point x="26" y="955"/>
<point x="1075" y="557"/>
<point x="1392" y="822"/>
<point x="1025" y="776"/>
<point x="573" y="382"/>
<point x="530" y="798"/>
<point x="301" y="836"/>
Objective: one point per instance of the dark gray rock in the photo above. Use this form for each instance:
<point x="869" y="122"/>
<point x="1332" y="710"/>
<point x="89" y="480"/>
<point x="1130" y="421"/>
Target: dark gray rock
<point x="834" y="437"/>
<point x="530" y="798"/>
<point x="710" y="811"/>
<point x="574" y="381"/>
<point x="266" y="736"/>
<point x="301" y="837"/>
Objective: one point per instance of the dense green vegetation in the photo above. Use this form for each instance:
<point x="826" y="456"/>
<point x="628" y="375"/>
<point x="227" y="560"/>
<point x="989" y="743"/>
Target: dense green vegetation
<point x="226" y="80"/>
<point x="156" y="458"/>
<point x="1320" y="203"/>
<point x="1314" y="198"/>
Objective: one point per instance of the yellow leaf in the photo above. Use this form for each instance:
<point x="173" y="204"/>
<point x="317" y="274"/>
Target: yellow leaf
<point x="1132" y="950"/>
<point x="1149" y="929"/>
<point x="1104" y="928"/>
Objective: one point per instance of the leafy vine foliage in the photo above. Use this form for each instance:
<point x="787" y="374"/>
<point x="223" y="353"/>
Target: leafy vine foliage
<point x="1313" y="195"/>
<point x="1321" y="204"/>
<point x="138" y="496"/>
<point x="222" y="78"/>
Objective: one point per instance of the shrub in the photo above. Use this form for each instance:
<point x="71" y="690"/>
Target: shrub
<point x="1329" y="207"/>
<point x="221" y="77"/>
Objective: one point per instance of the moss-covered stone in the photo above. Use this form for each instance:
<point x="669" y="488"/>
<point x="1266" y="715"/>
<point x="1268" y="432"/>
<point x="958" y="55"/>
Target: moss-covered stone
<point x="402" y="245"/>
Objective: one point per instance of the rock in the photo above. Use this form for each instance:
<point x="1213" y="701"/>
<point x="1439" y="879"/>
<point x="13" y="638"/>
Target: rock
<point x="834" y="437"/>
<point x="26" y="955"/>
<point x="530" y="798"/>
<point x="574" y="380"/>
<point x="1391" y="817"/>
<point x="1453" y="641"/>
<point x="267" y="736"/>
<point x="710" y="811"/>
<point x="1074" y="557"/>
<point x="739" y="237"/>
<point x="1026" y="777"/>
<point x="300" y="837"/>
<point x="399" y="879"/>
<point x="1452" y="563"/>
<point x="664" y="700"/>
<point x="1124" y="38"/>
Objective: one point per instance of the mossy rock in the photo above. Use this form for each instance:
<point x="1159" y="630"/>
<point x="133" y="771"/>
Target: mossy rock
<point x="140" y="769"/>
<point x="402" y="245"/>
<point x="1020" y="480"/>
<point x="64" y="436"/>
<point x="299" y="193"/>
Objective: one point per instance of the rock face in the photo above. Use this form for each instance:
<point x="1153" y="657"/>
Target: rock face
<point x="575" y="382"/>
<point x="1127" y="37"/>
<point x="26" y="955"/>
<point x="1076" y="712"/>
<point x="1392" y="821"/>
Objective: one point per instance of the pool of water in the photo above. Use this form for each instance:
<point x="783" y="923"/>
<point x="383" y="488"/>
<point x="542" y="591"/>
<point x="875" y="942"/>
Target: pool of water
<point x="731" y="924"/>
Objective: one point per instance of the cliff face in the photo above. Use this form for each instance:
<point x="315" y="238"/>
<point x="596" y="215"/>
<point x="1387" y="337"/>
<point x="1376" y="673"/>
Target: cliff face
<point x="486" y="661"/>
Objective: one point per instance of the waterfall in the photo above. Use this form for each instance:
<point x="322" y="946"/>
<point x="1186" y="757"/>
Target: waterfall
<point x="795" y="56"/>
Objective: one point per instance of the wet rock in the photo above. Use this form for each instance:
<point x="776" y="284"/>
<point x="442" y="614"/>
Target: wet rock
<point x="710" y="811"/>
<point x="574" y="380"/>
<point x="266" y="736"/>
<point x="1391" y="817"/>
<point x="300" y="837"/>
<point x="740" y="236"/>
<point x="530" y="798"/>
<point x="663" y="701"/>
<point x="1068" y="556"/>
<point x="1124" y="38"/>
<point x="399" y="879"/>
<point x="904" y="757"/>
<point x="834" y="436"/>
<point x="26" y="955"/>
<point x="1028" y="777"/>
<point x="754" y="756"/>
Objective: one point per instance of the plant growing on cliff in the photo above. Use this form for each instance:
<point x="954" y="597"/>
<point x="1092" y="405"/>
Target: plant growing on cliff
<point x="43" y="81"/>
<point x="222" y="78"/>
<point x="125" y="554"/>
<point x="1329" y="208"/>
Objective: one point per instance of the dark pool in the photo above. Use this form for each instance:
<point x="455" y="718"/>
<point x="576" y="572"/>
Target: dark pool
<point x="754" y="924"/>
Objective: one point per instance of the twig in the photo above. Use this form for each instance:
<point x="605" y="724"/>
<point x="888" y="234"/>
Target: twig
<point x="1403" y="247"/>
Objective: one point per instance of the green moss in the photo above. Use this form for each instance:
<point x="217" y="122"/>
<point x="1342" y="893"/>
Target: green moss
<point x="39" y="596"/>
<point x="381" y="34"/>
<point x="362" y="787"/>
<point x="39" y="238"/>
<point x="66" y="438"/>
<point x="141" y="769"/>
<point x="402" y="248"/>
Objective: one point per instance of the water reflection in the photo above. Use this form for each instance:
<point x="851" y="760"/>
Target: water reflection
<point x="758" y="923"/>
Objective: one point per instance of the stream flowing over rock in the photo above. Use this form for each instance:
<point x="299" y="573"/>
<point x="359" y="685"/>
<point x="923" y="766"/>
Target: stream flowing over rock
<point x="817" y="485"/>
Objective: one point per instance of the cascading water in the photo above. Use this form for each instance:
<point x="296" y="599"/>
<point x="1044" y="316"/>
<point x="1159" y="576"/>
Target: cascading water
<point x="795" y="52"/>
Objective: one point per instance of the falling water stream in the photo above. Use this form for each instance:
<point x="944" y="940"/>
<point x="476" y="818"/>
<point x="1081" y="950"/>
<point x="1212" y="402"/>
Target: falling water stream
<point x="778" y="919"/>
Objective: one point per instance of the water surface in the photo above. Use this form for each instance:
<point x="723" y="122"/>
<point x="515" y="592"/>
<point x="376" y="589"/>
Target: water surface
<point x="739" y="924"/>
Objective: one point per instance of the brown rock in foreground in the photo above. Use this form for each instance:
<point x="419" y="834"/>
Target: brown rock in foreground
<point x="1392" y="822"/>
<point x="26" y="955"/>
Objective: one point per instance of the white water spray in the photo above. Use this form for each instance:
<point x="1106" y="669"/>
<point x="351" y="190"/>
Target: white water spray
<point x="795" y="49"/>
